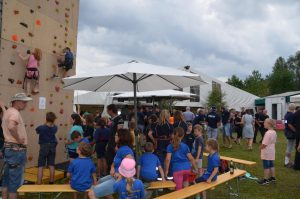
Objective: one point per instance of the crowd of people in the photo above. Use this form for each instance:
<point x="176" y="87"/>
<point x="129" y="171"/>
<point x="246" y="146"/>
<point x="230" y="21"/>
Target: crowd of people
<point x="131" y="152"/>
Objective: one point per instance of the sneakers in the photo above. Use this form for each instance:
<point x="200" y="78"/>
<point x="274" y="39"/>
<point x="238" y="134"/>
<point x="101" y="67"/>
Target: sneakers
<point x="272" y="180"/>
<point x="263" y="182"/>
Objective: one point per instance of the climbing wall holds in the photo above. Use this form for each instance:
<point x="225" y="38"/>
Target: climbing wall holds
<point x="31" y="125"/>
<point x="38" y="22"/>
<point x="30" y="34"/>
<point x="16" y="12"/>
<point x="66" y="34"/>
<point x="66" y="124"/>
<point x="54" y="44"/>
<point x="66" y="29"/>
<point x="60" y="124"/>
<point x="51" y="95"/>
<point x="67" y="96"/>
<point x="53" y="66"/>
<point x="22" y="40"/>
<point x="11" y="80"/>
<point x="66" y="41"/>
<point x="24" y="24"/>
<point x="31" y="11"/>
<point x="61" y="103"/>
<point x="54" y="52"/>
<point x="60" y="139"/>
<point x="67" y="15"/>
<point x="55" y="37"/>
<point x="57" y="10"/>
<point x="59" y="46"/>
<point x="57" y="2"/>
<point x="30" y="158"/>
<point x="61" y="111"/>
<point x="39" y="7"/>
<point x="68" y="9"/>
<point x="19" y="82"/>
<point x="14" y="46"/>
<point x="14" y="37"/>
<point x="57" y="88"/>
<point x="32" y="109"/>
<point x="50" y="102"/>
<point x="67" y="21"/>
<point x="12" y="63"/>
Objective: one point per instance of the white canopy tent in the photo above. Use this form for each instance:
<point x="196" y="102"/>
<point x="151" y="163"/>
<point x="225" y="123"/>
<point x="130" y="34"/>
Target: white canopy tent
<point x="295" y="98"/>
<point x="156" y="94"/>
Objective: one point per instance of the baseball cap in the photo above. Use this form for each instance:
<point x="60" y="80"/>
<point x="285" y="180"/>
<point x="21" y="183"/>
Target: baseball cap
<point x="20" y="97"/>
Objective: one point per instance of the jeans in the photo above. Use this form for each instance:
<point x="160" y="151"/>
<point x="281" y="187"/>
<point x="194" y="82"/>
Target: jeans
<point x="105" y="186"/>
<point x="13" y="175"/>
<point x="212" y="133"/>
<point x="226" y="130"/>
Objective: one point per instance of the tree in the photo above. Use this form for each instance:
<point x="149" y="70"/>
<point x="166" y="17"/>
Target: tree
<point x="293" y="64"/>
<point x="216" y="98"/>
<point x="256" y="84"/>
<point x="236" y="82"/>
<point x="281" y="79"/>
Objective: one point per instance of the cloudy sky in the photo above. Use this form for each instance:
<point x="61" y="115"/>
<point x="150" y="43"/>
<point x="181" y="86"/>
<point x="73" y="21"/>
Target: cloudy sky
<point x="218" y="37"/>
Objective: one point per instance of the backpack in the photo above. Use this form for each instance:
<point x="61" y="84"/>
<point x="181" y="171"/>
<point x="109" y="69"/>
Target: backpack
<point x="224" y="167"/>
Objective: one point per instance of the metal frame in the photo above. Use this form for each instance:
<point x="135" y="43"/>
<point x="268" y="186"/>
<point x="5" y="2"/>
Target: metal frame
<point x="234" y="192"/>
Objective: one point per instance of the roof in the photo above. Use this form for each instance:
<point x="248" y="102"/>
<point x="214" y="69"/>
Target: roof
<point x="286" y="94"/>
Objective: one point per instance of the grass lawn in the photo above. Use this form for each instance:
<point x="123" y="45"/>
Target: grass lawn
<point x="288" y="180"/>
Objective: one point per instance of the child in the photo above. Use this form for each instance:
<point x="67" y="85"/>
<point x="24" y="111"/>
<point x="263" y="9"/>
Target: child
<point x="32" y="72"/>
<point x="65" y="64"/>
<point x="213" y="164"/>
<point x="77" y="137"/>
<point x="189" y="136"/>
<point x="47" y="142"/>
<point x="198" y="147"/>
<point x="82" y="171"/>
<point x="268" y="153"/>
<point x="102" y="135"/>
<point x="180" y="157"/>
<point x="127" y="186"/>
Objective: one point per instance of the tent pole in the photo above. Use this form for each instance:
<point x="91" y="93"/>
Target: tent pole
<point x="134" y="81"/>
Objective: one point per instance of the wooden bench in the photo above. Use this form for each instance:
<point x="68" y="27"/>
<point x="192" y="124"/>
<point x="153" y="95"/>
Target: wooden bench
<point x="162" y="185"/>
<point x="31" y="175"/>
<point x="235" y="160"/>
<point x="200" y="187"/>
<point x="55" y="188"/>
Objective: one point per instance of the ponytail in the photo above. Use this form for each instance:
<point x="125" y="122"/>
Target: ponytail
<point x="129" y="184"/>
<point x="178" y="135"/>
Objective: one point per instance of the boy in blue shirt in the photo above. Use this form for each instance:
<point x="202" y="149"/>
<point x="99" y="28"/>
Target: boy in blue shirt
<point x="77" y="137"/>
<point x="211" y="174"/>
<point x="147" y="165"/>
<point x="82" y="171"/>
<point x="47" y="142"/>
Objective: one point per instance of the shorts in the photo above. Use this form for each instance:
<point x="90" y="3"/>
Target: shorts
<point x="72" y="153"/>
<point x="226" y="130"/>
<point x="212" y="133"/>
<point x="268" y="164"/>
<point x="290" y="145"/>
<point x="199" y="164"/>
<point x="65" y="65"/>
<point x="13" y="175"/>
<point x="100" y="150"/>
<point x="47" y="154"/>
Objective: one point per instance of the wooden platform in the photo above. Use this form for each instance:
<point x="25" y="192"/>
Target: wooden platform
<point x="31" y="175"/>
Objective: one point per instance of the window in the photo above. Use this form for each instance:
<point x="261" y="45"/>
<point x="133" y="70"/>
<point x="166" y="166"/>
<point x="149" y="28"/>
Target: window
<point x="195" y="90"/>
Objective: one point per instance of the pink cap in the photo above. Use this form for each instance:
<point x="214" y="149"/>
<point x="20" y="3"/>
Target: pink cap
<point x="127" y="168"/>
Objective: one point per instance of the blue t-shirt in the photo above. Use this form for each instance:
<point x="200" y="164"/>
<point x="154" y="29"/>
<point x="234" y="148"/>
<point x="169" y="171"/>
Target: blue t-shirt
<point x="148" y="162"/>
<point x="122" y="152"/>
<point x="85" y="140"/>
<point x="74" y="128"/>
<point x="81" y="170"/>
<point x="213" y="119"/>
<point x="138" y="191"/>
<point x="179" y="159"/>
<point x="46" y="134"/>
<point x="102" y="135"/>
<point x="212" y="162"/>
<point x="199" y="141"/>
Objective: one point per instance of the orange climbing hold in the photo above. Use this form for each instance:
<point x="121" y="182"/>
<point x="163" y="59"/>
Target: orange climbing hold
<point x="57" y="88"/>
<point x="32" y="109"/>
<point x="30" y="158"/>
<point x="19" y="82"/>
<point x="61" y="111"/>
<point x="14" y="46"/>
<point x="16" y="12"/>
<point x="38" y="22"/>
<point x="15" y="37"/>
<point x="30" y="34"/>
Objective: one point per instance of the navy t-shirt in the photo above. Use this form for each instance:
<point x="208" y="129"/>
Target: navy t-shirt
<point x="189" y="140"/>
<point x="122" y="152"/>
<point x="46" y="134"/>
<point x="225" y="117"/>
<point x="212" y="162"/>
<point x="288" y="119"/>
<point x="213" y="119"/>
<point x="138" y="191"/>
<point x="102" y="135"/>
<point x="149" y="162"/>
<point x="200" y="119"/>
<point x="179" y="159"/>
<point x="88" y="131"/>
<point x="199" y="141"/>
<point x="181" y="124"/>
<point x="81" y="170"/>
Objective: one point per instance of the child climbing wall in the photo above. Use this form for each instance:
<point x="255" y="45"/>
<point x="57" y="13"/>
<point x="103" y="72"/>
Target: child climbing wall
<point x="49" y="25"/>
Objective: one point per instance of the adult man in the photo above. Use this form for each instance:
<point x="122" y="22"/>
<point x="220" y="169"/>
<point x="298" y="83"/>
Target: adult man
<point x="116" y="121"/>
<point x="226" y="127"/>
<point x="261" y="120"/>
<point x="213" y="121"/>
<point x="257" y="124"/>
<point x="188" y="115"/>
<point x="200" y="118"/>
<point x="15" y="146"/>
<point x="289" y="133"/>
<point x="296" y="124"/>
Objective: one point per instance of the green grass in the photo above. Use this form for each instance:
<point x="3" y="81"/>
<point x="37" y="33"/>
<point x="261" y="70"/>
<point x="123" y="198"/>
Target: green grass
<point x="288" y="180"/>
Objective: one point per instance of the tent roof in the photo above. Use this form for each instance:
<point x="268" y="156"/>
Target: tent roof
<point x="90" y="98"/>
<point x="295" y="98"/>
<point x="286" y="94"/>
<point x="159" y="93"/>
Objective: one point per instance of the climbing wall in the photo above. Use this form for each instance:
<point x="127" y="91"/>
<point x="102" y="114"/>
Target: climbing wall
<point x="50" y="25"/>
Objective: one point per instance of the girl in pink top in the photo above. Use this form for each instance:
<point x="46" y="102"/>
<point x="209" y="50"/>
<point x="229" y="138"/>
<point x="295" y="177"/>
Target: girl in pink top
<point x="268" y="153"/>
<point x="32" y="72"/>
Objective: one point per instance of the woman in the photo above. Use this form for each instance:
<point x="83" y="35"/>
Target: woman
<point x="152" y="123"/>
<point x="32" y="72"/>
<point x="72" y="145"/>
<point x="179" y="121"/>
<point x="88" y="128"/>
<point x="163" y="134"/>
<point x="248" y="132"/>
<point x="105" y="187"/>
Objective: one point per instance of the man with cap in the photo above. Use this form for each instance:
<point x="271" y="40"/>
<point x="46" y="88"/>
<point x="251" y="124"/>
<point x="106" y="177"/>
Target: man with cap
<point x="15" y="146"/>
<point x="213" y="122"/>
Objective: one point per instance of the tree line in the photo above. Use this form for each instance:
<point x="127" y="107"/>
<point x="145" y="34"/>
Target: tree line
<point x="285" y="76"/>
